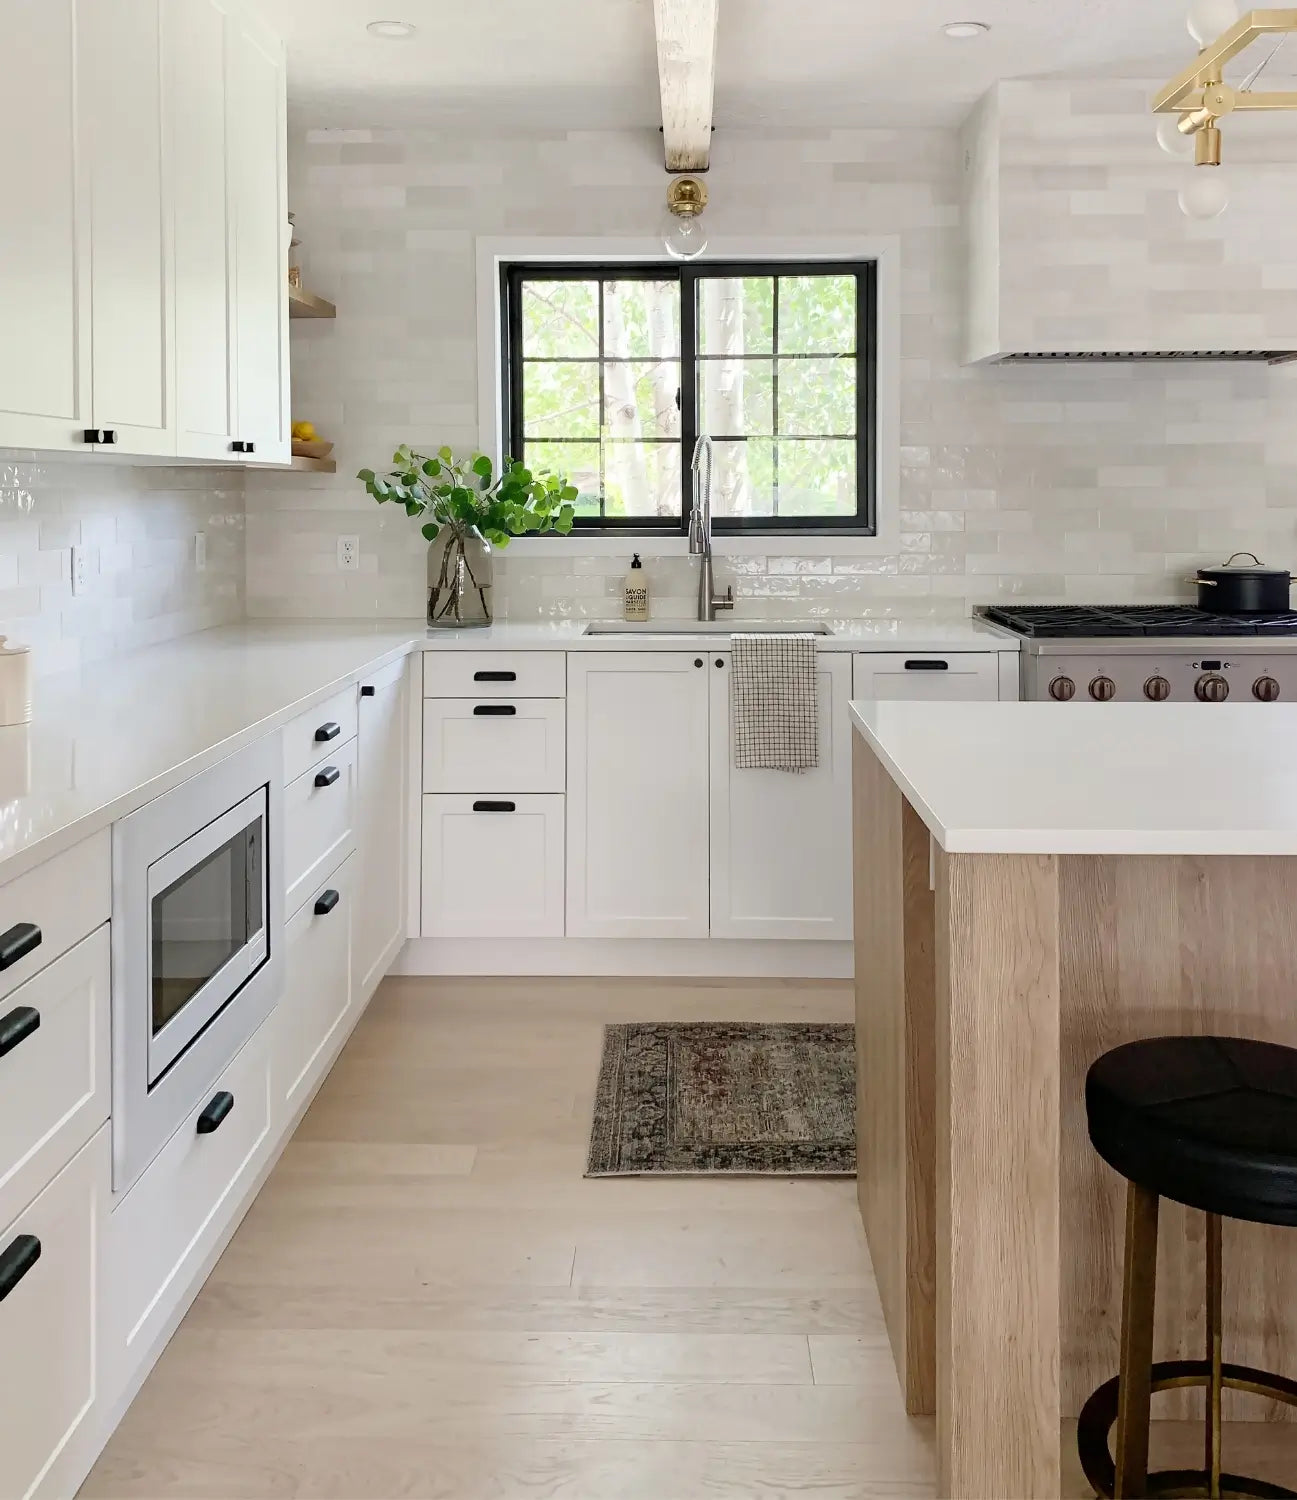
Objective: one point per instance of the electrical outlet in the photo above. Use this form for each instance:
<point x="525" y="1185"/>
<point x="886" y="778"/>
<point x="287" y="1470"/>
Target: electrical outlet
<point x="349" y="554"/>
<point x="81" y="570"/>
<point x="200" y="552"/>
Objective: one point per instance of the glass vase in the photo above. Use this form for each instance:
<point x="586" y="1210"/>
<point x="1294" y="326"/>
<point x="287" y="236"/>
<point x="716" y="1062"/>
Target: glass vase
<point x="459" y="579"/>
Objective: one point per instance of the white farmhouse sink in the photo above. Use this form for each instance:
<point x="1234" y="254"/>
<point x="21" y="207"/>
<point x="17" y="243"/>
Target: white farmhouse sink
<point x="707" y="627"/>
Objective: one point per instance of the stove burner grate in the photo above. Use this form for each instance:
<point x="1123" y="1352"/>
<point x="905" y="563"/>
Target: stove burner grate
<point x="1065" y="621"/>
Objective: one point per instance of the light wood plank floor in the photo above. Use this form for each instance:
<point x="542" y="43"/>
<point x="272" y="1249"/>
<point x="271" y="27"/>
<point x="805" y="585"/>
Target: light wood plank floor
<point x="428" y="1300"/>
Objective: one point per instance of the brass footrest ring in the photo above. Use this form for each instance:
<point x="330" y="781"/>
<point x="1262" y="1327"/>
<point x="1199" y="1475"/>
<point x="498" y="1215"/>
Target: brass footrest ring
<point x="1099" y="1417"/>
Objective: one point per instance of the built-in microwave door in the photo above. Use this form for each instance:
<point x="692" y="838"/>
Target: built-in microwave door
<point x="207" y="927"/>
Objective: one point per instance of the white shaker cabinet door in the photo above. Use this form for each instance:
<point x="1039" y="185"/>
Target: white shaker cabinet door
<point x="258" y="174"/>
<point x="781" y="840"/>
<point x="121" y="79"/>
<point x="44" y="231"/>
<point x="382" y="827"/>
<point x="637" y="805"/>
<point x="946" y="677"/>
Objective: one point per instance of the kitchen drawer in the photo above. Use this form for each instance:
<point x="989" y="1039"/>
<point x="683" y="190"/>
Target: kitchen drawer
<point x="315" y="735"/>
<point x="493" y="867"/>
<point x="48" y="1371"/>
<point x="956" y="676"/>
<point x="63" y="899"/>
<point x="494" y="674"/>
<point x="513" y="746"/>
<point x="55" y="1080"/>
<point x="313" y="1009"/>
<point x="167" y="1223"/>
<point x="319" y="822"/>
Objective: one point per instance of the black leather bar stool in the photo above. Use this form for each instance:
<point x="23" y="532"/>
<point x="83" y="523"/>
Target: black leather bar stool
<point x="1210" y="1122"/>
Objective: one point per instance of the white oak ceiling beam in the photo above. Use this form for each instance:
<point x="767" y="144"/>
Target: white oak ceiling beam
<point x="686" y="42"/>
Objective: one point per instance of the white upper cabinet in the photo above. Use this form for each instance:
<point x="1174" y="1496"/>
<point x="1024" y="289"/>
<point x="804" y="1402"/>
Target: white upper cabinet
<point x="259" y="187"/>
<point x="121" y="79"/>
<point x="44" y="231"/>
<point x="780" y="840"/>
<point x="637" y="848"/>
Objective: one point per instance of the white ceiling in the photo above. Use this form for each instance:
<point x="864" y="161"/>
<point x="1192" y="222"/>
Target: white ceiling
<point x="573" y="64"/>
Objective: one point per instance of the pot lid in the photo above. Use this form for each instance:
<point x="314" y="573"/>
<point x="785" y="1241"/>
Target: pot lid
<point x="1255" y="569"/>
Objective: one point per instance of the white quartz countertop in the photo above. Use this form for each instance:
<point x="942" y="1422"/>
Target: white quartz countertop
<point x="107" y="739"/>
<point x="1113" y="778"/>
<point x="682" y="635"/>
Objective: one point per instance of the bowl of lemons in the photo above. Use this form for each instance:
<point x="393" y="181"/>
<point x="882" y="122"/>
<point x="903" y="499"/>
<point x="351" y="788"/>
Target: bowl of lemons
<point x="307" y="443"/>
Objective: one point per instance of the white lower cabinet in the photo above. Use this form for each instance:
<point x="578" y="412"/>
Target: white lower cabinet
<point x="492" y="746"/>
<point x="382" y="821"/>
<point x="319" y="822"/>
<point x="311" y="1017"/>
<point x="957" y="676"/>
<point x="637" y="794"/>
<point x="49" y="1278"/>
<point x="493" y="866"/>
<point x="780" y="840"/>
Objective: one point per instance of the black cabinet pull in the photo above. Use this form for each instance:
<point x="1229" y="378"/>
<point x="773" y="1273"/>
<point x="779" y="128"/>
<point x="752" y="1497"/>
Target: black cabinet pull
<point x="720" y="661"/>
<point x="17" y="1026"/>
<point x="211" y="1118"/>
<point x="698" y="661"/>
<point x="329" y="731"/>
<point x="18" y="942"/>
<point x="927" y="664"/>
<point x="494" y="711"/>
<point x="325" y="902"/>
<point x="97" y="436"/>
<point x="16" y="1259"/>
<point x="109" y="435"/>
<point x="368" y="690"/>
<point x="495" y="676"/>
<point x="239" y="445"/>
<point x="328" y="776"/>
<point x="495" y="807"/>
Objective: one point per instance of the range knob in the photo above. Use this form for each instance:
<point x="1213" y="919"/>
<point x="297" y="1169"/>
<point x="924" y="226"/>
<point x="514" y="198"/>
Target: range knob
<point x="1102" y="689"/>
<point x="1157" y="689"/>
<point x="1211" y="687"/>
<point x="1265" y="689"/>
<point x="1062" y="689"/>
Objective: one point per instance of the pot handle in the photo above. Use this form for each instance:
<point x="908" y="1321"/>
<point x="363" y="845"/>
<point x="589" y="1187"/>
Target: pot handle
<point x="1252" y="555"/>
<point x="1203" y="583"/>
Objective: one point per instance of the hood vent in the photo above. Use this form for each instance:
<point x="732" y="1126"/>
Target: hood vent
<point x="1140" y="356"/>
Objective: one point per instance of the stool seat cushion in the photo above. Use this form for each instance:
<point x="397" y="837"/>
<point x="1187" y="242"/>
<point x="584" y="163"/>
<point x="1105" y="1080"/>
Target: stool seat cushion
<point x="1207" y="1121"/>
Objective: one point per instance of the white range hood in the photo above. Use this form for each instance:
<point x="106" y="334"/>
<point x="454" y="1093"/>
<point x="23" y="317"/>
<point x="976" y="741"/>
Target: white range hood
<point x="1077" y="249"/>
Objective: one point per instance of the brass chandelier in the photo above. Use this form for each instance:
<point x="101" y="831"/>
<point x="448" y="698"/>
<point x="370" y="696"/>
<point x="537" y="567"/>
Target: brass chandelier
<point x="1197" y="99"/>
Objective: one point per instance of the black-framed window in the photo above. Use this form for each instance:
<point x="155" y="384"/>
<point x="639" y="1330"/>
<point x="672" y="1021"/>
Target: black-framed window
<point x="613" y="371"/>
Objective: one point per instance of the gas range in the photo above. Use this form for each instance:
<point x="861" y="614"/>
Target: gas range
<point x="1161" y="654"/>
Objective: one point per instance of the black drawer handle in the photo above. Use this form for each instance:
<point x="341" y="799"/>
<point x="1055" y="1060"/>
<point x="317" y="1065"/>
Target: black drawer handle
<point x="325" y="902"/>
<point x="495" y="807"/>
<point x="240" y="445"/>
<point x="18" y="942"/>
<point x="368" y="690"/>
<point x="326" y="732"/>
<point x="16" y="1259"/>
<point x="927" y="664"/>
<point x="494" y="711"/>
<point x="495" y="676"/>
<point x="328" y="776"/>
<point x="99" y="435"/>
<point x="17" y="1026"/>
<point x="212" y="1117"/>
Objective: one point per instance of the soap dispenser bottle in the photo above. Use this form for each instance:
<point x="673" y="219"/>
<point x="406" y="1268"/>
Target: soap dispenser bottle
<point x="635" y="594"/>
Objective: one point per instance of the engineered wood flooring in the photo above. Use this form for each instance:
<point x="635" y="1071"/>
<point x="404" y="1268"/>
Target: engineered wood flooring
<point x="428" y="1300"/>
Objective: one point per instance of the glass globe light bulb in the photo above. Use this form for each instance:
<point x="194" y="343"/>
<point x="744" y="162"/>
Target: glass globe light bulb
<point x="683" y="236"/>
<point x="1208" y="18"/>
<point x="1206" y="196"/>
<point x="1172" y="139"/>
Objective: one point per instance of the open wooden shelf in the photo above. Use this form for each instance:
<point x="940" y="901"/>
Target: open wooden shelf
<point x="314" y="465"/>
<point x="304" y="304"/>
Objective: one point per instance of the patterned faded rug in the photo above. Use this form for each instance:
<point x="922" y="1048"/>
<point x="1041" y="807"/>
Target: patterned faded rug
<point x="702" y="1096"/>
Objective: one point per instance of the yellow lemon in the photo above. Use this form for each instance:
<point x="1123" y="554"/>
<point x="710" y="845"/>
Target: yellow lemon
<point x="304" y="432"/>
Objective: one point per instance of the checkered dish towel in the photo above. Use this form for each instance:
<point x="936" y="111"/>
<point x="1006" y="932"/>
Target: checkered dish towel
<point x="774" y="704"/>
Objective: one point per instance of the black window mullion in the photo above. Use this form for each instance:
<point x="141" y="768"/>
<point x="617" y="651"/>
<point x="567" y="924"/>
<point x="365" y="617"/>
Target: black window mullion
<point x="689" y="424"/>
<point x="603" y="407"/>
<point x="774" y="395"/>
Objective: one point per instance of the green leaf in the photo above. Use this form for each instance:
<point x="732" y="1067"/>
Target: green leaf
<point x="431" y="467"/>
<point x="482" y="466"/>
<point x="367" y="475"/>
<point x="446" y="454"/>
<point x="431" y="531"/>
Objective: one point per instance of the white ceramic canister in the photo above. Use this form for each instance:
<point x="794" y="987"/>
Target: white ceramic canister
<point x="15" y="683"/>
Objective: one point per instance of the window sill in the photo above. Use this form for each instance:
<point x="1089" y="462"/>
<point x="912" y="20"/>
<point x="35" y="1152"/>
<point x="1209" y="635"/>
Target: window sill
<point x="654" y="544"/>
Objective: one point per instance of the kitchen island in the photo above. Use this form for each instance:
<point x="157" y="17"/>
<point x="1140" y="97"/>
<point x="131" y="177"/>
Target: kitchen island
<point x="1035" y="885"/>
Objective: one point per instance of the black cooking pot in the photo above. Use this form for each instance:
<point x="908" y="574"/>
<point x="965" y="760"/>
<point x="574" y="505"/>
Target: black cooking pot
<point x="1242" y="589"/>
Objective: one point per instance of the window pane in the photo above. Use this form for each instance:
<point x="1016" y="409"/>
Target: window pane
<point x="578" y="463"/>
<point x="743" y="479"/>
<point x="817" y="314"/>
<point x="736" y="315"/>
<point x="641" y="479"/>
<point x="641" y="319"/>
<point x="817" y="397"/>
<point x="734" y="397"/>
<point x="817" y="478"/>
<point x="560" y="400"/>
<point x="560" y="319"/>
<point x="641" y="399"/>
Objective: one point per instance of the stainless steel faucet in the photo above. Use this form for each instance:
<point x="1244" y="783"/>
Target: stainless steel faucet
<point x="700" y="533"/>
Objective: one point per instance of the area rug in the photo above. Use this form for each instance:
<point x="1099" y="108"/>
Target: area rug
<point x="707" y="1096"/>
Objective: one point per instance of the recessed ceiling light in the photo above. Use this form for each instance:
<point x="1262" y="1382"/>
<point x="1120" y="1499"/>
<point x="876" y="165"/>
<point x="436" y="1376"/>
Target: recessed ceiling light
<point x="963" y="30"/>
<point x="391" y="31"/>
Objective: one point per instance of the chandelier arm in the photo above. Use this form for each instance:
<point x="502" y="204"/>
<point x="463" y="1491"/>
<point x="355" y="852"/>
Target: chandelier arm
<point x="1207" y="67"/>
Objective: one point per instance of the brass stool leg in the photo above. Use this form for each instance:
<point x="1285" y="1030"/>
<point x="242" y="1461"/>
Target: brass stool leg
<point x="1215" y="1378"/>
<point x="1137" y="1308"/>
